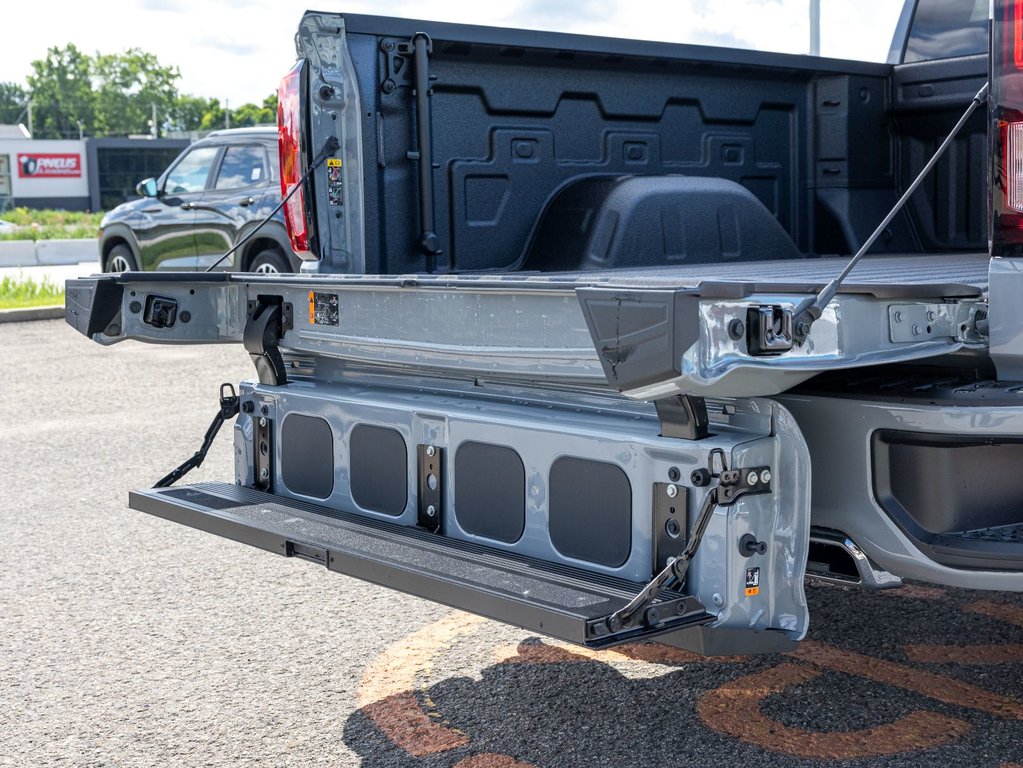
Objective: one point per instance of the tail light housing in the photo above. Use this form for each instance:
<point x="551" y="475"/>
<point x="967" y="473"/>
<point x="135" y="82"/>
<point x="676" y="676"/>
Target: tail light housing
<point x="294" y="157"/>
<point x="1006" y="135"/>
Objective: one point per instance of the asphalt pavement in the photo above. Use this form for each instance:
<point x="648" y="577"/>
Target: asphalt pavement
<point x="127" y="640"/>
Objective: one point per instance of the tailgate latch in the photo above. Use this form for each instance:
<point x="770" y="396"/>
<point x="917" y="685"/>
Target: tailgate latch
<point x="770" y="330"/>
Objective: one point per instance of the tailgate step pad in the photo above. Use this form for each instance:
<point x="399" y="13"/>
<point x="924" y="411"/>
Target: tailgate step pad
<point x="555" y="600"/>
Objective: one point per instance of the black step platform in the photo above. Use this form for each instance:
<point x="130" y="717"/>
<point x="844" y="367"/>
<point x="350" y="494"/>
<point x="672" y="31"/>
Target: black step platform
<point x="562" y="602"/>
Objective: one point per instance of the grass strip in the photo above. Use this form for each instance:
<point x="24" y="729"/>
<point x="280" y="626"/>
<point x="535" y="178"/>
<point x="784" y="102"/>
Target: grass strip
<point x="19" y="293"/>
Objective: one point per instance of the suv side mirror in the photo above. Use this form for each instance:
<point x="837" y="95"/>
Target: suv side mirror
<point x="146" y="188"/>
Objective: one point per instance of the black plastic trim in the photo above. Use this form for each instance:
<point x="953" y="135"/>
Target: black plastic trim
<point x="640" y="335"/>
<point x="937" y="493"/>
<point x="92" y="304"/>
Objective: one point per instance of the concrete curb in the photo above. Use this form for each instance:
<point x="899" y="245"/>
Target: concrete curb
<point x="31" y="313"/>
<point x="29" y="253"/>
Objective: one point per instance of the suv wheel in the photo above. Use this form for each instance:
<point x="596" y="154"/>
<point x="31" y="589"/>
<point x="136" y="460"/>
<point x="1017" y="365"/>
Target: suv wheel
<point x="269" y="263"/>
<point x="120" y="259"/>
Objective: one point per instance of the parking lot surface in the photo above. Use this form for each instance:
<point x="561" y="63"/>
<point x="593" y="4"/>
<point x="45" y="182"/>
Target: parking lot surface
<point x="131" y="641"/>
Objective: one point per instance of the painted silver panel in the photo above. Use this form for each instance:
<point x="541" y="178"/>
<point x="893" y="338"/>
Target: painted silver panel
<point x="540" y="430"/>
<point x="530" y="329"/>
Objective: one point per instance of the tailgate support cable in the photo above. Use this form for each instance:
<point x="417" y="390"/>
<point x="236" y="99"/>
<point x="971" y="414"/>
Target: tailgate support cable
<point x="228" y="410"/>
<point x="811" y="308"/>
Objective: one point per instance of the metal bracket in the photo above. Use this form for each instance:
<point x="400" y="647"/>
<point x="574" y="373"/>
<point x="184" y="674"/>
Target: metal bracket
<point x="733" y="484"/>
<point x="671" y="522"/>
<point x="263" y="451"/>
<point x="263" y="331"/>
<point x="736" y="483"/>
<point x="683" y="417"/>
<point x="430" y="486"/>
<point x="924" y="322"/>
<point x="668" y="615"/>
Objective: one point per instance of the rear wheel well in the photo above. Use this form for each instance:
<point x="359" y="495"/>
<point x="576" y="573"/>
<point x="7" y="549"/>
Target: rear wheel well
<point x="109" y="245"/>
<point x="259" y="245"/>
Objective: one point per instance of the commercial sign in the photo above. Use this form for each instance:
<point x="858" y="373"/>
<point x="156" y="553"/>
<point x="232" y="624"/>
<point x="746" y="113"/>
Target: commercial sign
<point x="33" y="165"/>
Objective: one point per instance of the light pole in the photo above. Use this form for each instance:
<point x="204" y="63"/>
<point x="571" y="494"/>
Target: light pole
<point x="815" y="27"/>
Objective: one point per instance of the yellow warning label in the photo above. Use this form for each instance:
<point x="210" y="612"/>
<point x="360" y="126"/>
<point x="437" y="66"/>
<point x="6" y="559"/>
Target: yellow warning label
<point x="333" y="162"/>
<point x="312" y="307"/>
<point x="752" y="591"/>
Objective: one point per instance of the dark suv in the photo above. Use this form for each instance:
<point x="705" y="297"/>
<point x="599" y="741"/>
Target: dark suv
<point x="210" y="197"/>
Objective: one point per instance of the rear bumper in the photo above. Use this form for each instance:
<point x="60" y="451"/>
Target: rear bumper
<point x="924" y="478"/>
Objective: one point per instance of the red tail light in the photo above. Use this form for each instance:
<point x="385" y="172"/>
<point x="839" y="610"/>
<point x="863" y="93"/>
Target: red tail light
<point x="293" y="159"/>
<point x="1006" y="133"/>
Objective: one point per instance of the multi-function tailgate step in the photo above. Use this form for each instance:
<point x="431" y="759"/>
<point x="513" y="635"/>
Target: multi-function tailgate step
<point x="562" y="602"/>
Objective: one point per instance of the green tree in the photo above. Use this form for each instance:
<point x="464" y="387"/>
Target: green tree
<point x="270" y="102"/>
<point x="188" y="112"/>
<point x="63" y="101"/>
<point x="128" y="86"/>
<point x="13" y="99"/>
<point x="252" y="114"/>
<point x="214" y="118"/>
<point x="114" y="95"/>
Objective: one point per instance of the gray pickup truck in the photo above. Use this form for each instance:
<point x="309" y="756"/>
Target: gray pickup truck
<point x="568" y="349"/>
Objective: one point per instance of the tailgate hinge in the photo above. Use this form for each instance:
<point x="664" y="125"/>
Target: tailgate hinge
<point x="683" y="416"/>
<point x="268" y="321"/>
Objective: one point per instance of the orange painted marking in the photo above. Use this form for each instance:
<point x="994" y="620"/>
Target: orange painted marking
<point x="1011" y="614"/>
<point x="916" y="592"/>
<point x="386" y="692"/>
<point x="542" y="653"/>
<point x="965" y="654"/>
<point x="658" y="653"/>
<point x="734" y="709"/>
<point x="554" y="652"/>
<point x="944" y="689"/>
<point x="408" y="726"/>
<point x="491" y="760"/>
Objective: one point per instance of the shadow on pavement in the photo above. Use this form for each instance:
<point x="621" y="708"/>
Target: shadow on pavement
<point x="919" y="676"/>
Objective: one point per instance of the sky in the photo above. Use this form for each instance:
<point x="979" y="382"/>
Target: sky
<point x="237" y="50"/>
